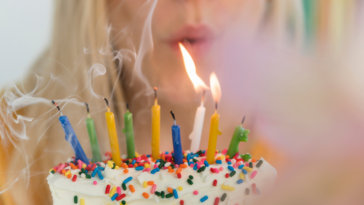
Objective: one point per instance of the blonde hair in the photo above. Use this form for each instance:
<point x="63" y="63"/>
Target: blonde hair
<point x="78" y="26"/>
<point x="80" y="40"/>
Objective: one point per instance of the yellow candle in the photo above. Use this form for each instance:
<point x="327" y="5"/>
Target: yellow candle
<point x="214" y="132"/>
<point x="156" y="118"/>
<point x="114" y="144"/>
<point x="214" y="125"/>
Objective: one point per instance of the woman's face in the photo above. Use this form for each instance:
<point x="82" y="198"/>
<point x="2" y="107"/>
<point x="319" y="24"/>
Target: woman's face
<point x="195" y="22"/>
<point x="198" y="24"/>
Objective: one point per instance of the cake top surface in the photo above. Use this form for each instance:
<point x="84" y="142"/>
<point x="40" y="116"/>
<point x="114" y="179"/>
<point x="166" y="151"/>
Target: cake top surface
<point x="143" y="178"/>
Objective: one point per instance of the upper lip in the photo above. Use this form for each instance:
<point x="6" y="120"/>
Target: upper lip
<point x="192" y="34"/>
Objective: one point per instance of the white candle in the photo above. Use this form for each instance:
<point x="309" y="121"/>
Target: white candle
<point x="195" y="136"/>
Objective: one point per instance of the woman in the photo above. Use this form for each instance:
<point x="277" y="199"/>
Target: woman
<point x="118" y="50"/>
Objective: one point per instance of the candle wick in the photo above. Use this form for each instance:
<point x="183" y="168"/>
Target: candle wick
<point x="87" y="108"/>
<point x="155" y="96"/>
<point x="59" y="109"/>
<point x="127" y="106"/>
<point x="107" y="102"/>
<point x="174" y="118"/>
<point x="242" y="122"/>
<point x="203" y="97"/>
<point x="216" y="105"/>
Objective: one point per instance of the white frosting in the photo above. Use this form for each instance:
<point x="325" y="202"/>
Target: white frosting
<point x="64" y="189"/>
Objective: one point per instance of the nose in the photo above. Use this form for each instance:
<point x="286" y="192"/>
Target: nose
<point x="196" y="10"/>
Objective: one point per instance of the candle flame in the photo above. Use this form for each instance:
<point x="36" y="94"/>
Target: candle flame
<point x="191" y="69"/>
<point x="215" y="87"/>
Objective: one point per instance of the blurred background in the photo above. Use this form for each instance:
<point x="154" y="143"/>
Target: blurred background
<point x="25" y="29"/>
<point x="314" y="26"/>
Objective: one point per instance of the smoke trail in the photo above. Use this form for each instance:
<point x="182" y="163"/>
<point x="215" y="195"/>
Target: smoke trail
<point x="146" y="44"/>
<point x="15" y="125"/>
<point x="96" y="70"/>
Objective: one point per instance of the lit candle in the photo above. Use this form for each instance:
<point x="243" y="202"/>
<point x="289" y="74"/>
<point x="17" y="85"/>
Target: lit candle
<point x="240" y="135"/>
<point x="214" y="125"/>
<point x="156" y="118"/>
<point x="96" y="156"/>
<point x="176" y="138"/>
<point x="129" y="133"/>
<point x="196" y="133"/>
<point x="195" y="136"/>
<point x="113" y="137"/>
<point x="71" y="137"/>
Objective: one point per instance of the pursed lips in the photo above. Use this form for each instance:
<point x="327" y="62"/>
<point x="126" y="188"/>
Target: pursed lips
<point x="196" y="39"/>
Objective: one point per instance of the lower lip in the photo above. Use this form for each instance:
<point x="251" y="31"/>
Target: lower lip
<point x="197" y="49"/>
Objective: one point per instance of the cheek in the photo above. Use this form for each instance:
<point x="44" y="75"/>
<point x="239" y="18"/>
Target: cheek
<point x="167" y="16"/>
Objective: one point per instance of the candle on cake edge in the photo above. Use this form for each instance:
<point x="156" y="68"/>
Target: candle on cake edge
<point x="196" y="133"/>
<point x="113" y="137"/>
<point x="176" y="139"/>
<point x="240" y="135"/>
<point x="215" y="118"/>
<point x="96" y="155"/>
<point x="129" y="133"/>
<point x="198" y="83"/>
<point x="71" y="137"/>
<point x="156" y="117"/>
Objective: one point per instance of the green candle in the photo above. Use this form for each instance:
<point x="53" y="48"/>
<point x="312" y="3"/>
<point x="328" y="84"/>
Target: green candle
<point x="96" y="156"/>
<point x="240" y="135"/>
<point x="129" y="133"/>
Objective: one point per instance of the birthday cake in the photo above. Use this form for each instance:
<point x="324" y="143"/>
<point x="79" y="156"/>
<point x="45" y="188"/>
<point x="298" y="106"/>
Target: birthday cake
<point x="142" y="180"/>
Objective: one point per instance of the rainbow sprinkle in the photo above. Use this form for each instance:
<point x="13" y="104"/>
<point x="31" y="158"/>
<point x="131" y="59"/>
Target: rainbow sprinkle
<point x="195" y="161"/>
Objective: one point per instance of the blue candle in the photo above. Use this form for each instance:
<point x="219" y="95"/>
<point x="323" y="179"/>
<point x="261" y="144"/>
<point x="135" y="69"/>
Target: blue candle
<point x="72" y="138"/>
<point x="176" y="138"/>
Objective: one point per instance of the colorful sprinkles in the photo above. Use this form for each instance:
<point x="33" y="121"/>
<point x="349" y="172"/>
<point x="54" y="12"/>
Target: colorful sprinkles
<point x="216" y="201"/>
<point x="144" y="163"/>
<point x="223" y="197"/>
<point x="203" y="199"/>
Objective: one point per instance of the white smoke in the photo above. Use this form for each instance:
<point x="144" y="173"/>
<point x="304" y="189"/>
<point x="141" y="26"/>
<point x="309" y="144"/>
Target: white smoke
<point x="16" y="98"/>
